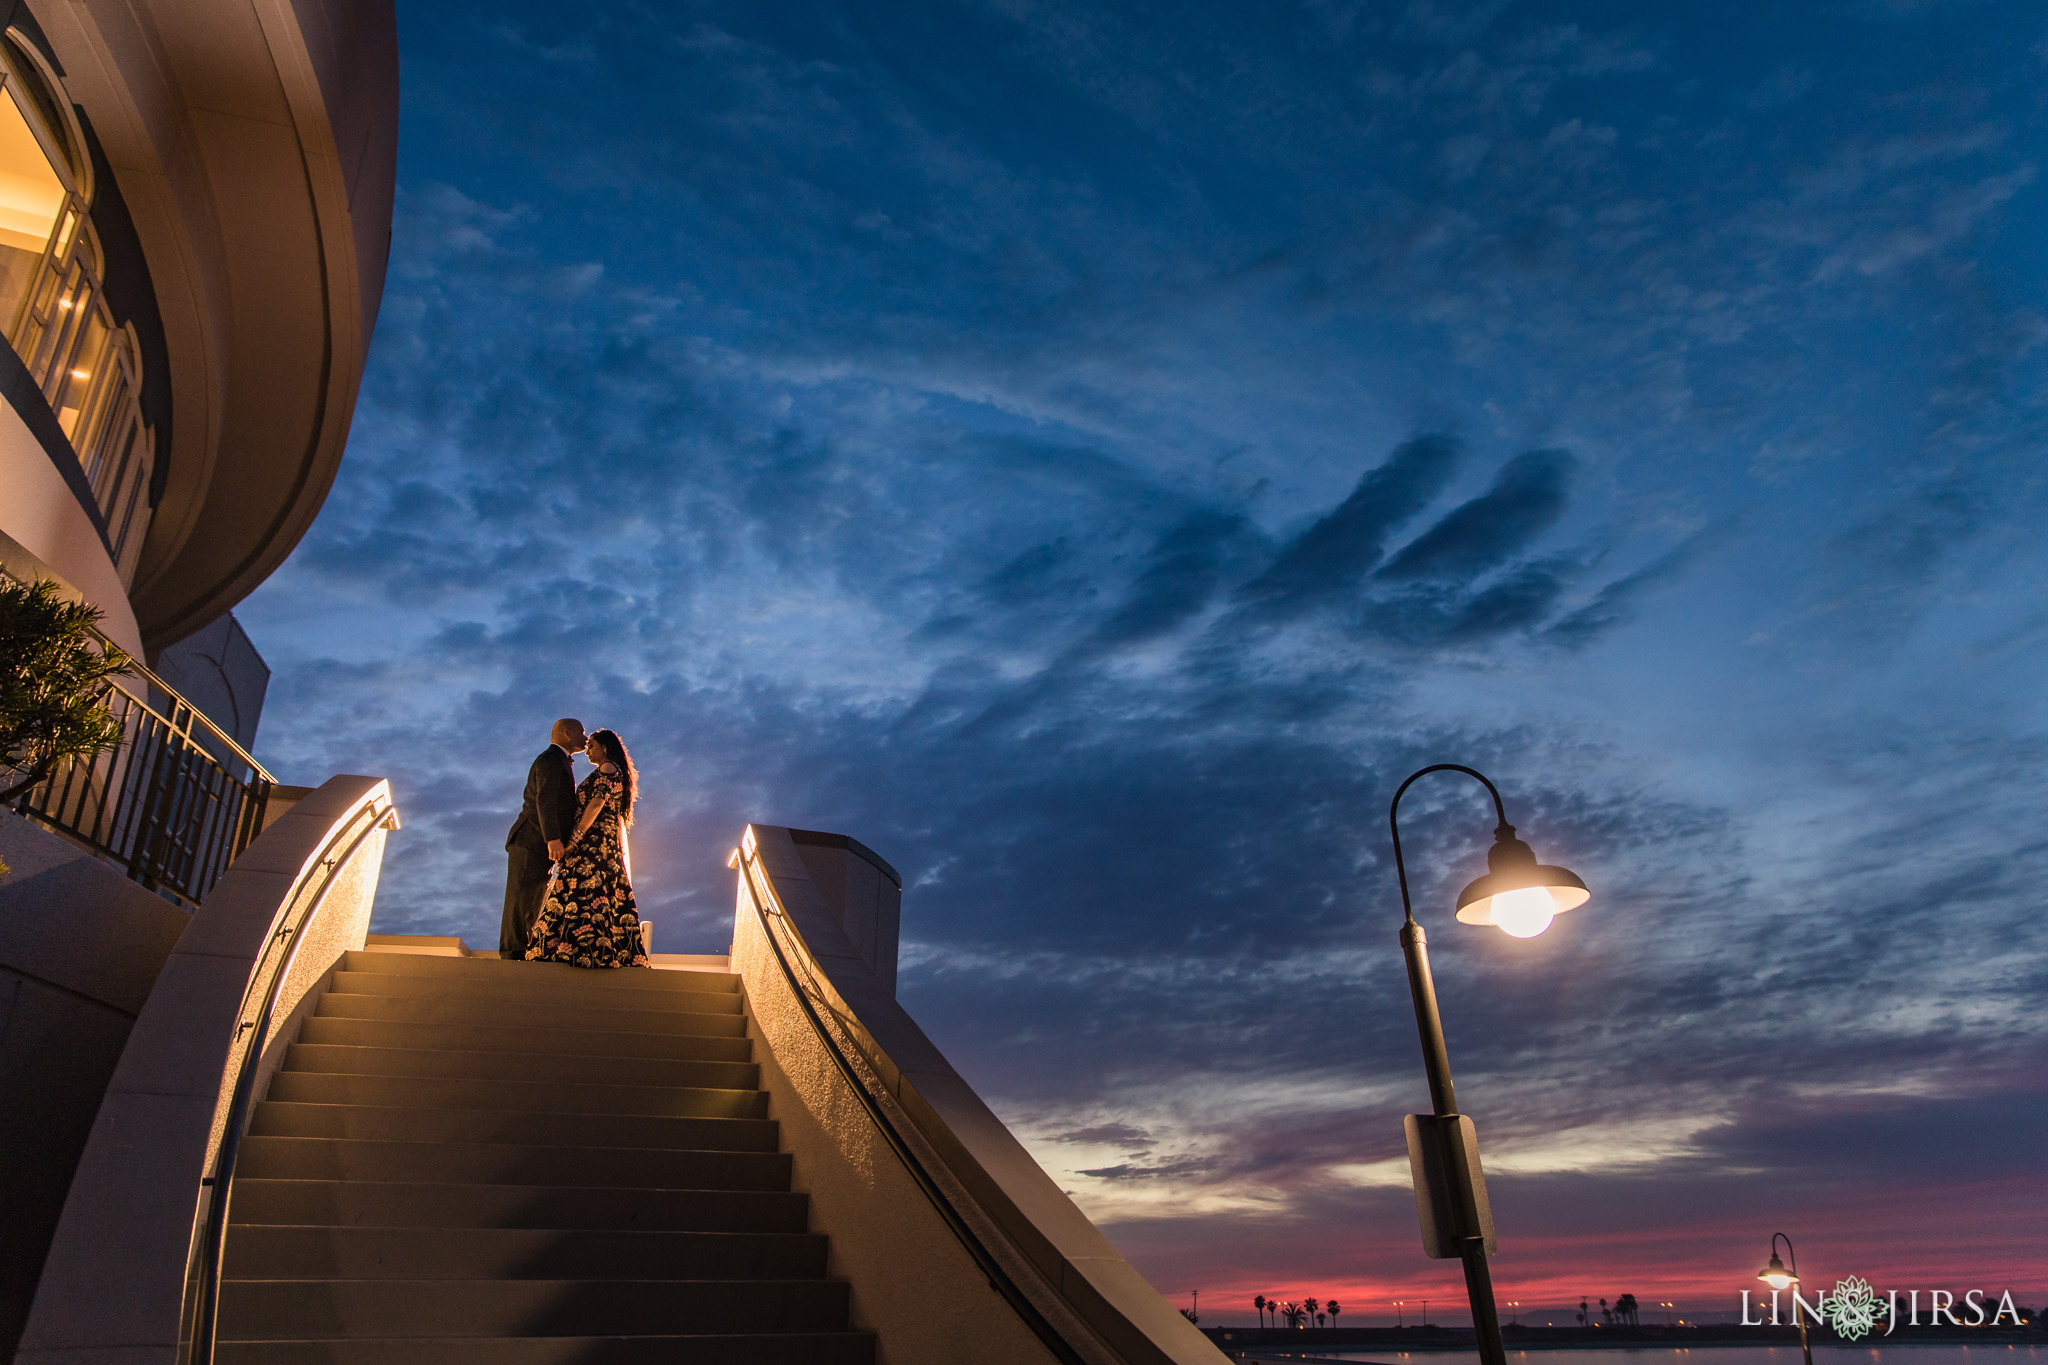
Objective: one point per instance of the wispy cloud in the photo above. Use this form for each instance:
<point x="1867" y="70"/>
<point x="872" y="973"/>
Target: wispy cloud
<point x="1092" y="459"/>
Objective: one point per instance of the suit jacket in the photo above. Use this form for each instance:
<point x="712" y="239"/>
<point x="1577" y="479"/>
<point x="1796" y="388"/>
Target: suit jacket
<point x="548" y="811"/>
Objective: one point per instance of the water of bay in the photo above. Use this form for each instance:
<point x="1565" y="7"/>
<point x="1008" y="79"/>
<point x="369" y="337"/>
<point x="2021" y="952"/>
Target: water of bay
<point x="1931" y="1354"/>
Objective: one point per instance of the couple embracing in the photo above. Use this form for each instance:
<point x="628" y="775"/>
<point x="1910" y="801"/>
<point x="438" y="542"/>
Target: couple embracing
<point x="568" y="885"/>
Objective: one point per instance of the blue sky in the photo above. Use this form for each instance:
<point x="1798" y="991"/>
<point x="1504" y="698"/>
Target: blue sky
<point x="1091" y="453"/>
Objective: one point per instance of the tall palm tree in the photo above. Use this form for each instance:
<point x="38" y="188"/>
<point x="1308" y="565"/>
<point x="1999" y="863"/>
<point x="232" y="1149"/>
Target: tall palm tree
<point x="1334" y="1308"/>
<point x="1259" y="1302"/>
<point x="1311" y="1306"/>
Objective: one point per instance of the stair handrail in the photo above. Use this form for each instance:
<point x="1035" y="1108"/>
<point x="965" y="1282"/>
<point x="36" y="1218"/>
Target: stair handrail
<point x="168" y="802"/>
<point x="811" y="996"/>
<point x="211" y="1245"/>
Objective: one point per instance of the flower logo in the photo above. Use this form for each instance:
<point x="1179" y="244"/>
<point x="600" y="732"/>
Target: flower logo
<point x="1853" y="1308"/>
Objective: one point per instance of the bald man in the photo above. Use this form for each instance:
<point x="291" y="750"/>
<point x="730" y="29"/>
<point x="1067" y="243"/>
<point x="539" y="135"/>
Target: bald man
<point x="546" y="819"/>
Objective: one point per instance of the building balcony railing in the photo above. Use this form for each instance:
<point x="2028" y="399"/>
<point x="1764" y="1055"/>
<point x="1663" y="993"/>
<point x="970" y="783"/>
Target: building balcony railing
<point x="173" y="803"/>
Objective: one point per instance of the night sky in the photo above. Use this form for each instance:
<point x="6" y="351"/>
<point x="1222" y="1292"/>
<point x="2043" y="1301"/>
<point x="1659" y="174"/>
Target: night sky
<point x="1092" y="452"/>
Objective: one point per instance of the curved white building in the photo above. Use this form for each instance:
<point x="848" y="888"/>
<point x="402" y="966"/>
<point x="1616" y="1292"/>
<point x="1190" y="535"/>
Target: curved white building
<point x="195" y="213"/>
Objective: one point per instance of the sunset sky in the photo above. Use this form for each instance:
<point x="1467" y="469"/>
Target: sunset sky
<point x="1092" y="452"/>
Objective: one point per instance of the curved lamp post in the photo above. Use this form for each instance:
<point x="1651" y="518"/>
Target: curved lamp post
<point x="1521" y="897"/>
<point x="1777" y="1277"/>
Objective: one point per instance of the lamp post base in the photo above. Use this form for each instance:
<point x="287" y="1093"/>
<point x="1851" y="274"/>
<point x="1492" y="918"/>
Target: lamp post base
<point x="1485" y="1318"/>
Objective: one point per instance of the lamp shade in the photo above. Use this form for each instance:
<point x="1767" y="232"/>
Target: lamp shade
<point x="1775" y="1275"/>
<point x="1518" y="894"/>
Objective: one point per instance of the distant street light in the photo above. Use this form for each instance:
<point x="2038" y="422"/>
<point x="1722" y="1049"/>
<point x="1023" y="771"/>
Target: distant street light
<point x="1520" y="896"/>
<point x="1777" y="1277"/>
<point x="1398" y="1322"/>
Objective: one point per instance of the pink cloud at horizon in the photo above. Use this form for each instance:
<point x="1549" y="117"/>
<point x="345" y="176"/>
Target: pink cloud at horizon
<point x="1985" y="1235"/>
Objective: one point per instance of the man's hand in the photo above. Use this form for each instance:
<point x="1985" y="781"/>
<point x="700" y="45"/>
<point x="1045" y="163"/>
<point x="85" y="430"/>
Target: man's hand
<point x="554" y="850"/>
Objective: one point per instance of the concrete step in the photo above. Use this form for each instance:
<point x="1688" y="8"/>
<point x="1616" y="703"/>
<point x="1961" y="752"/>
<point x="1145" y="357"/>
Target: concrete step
<point x="428" y="1092"/>
<point x="474" y="1162"/>
<point x="489" y="1163"/>
<point x="737" y="1348"/>
<point x="511" y="1036"/>
<point x="527" y="1014"/>
<point x="355" y="1203"/>
<point x="516" y="988"/>
<point x="410" y="964"/>
<point x="593" y="1069"/>
<point x="519" y="1308"/>
<point x="292" y="1252"/>
<point x="275" y="1118"/>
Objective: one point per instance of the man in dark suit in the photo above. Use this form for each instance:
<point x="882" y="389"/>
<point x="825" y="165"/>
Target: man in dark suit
<point x="547" y="817"/>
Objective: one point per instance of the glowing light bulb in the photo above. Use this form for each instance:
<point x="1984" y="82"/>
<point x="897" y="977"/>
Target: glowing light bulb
<point x="1525" y="913"/>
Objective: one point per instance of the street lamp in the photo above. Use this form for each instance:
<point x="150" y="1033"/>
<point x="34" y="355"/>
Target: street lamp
<point x="1521" y="897"/>
<point x="1777" y="1277"/>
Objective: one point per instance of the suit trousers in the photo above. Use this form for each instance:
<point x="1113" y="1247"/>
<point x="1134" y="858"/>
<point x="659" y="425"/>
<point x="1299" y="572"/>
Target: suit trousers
<point x="526" y="886"/>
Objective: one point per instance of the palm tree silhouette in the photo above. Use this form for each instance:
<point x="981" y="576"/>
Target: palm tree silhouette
<point x="1311" y="1306"/>
<point x="1334" y="1309"/>
<point x="1259" y="1302"/>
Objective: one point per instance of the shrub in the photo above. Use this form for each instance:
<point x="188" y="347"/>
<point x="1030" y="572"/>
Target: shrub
<point x="54" y="671"/>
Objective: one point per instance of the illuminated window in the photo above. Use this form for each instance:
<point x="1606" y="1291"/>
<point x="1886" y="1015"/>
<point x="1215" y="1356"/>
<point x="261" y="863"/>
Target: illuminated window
<point x="42" y="190"/>
<point x="54" y="307"/>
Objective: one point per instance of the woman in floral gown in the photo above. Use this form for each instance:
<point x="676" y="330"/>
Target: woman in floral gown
<point x="589" y="917"/>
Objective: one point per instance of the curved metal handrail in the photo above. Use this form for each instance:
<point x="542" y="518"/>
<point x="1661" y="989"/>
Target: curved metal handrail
<point x="210" y="1247"/>
<point x="759" y="891"/>
<point x="174" y="801"/>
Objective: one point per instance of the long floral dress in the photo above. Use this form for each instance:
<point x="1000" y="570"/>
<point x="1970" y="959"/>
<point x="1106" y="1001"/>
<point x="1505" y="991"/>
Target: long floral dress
<point x="589" y="917"/>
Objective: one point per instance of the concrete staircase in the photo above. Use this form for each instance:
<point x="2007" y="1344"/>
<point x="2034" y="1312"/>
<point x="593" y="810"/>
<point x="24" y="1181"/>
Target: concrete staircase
<point x="467" y="1160"/>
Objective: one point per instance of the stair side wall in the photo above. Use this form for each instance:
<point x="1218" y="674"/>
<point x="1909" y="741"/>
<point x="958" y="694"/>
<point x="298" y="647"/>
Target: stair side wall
<point x="130" y="1217"/>
<point x="866" y="899"/>
<point x="1102" y="1307"/>
<point x="913" y="1284"/>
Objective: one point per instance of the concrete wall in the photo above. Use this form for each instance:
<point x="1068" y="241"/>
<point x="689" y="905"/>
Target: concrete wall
<point x="136" y="1197"/>
<point x="46" y="533"/>
<point x="219" y="671"/>
<point x="862" y="891"/>
<point x="80" y="947"/>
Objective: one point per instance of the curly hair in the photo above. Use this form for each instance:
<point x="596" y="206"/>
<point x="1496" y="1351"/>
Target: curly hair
<point x="629" y="776"/>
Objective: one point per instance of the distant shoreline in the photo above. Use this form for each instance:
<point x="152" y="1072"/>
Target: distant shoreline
<point x="1520" y="1338"/>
